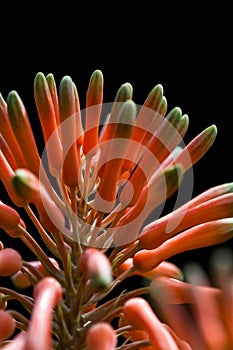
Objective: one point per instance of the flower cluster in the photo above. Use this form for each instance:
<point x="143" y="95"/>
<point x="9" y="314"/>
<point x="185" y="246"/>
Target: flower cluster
<point x="206" y="323"/>
<point x="89" y="210"/>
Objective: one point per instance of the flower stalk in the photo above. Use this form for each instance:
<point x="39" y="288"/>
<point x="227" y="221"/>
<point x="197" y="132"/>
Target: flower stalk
<point x="87" y="210"/>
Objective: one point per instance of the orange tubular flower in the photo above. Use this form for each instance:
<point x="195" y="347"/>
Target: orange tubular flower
<point x="6" y="175"/>
<point x="28" y="187"/>
<point x="210" y="307"/>
<point x="179" y="292"/>
<point x="96" y="267"/>
<point x="67" y="109"/>
<point x="140" y="314"/>
<point x="47" y="293"/>
<point x="22" y="130"/>
<point x="106" y="192"/>
<point x="94" y="99"/>
<point x="7" y="153"/>
<point x="20" y="279"/>
<point x="17" y="344"/>
<point x="199" y="210"/>
<point x="8" y="134"/>
<point x="89" y="209"/>
<point x="165" y="269"/>
<point x="9" y="217"/>
<point x="10" y="262"/>
<point x="48" y="114"/>
<point x="203" y="235"/>
<point x="124" y="93"/>
<point x="7" y="325"/>
<point x="101" y="336"/>
<point x="135" y="335"/>
<point x="149" y="115"/>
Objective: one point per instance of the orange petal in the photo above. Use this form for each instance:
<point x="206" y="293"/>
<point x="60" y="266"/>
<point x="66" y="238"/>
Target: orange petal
<point x="184" y="217"/>
<point x="53" y="91"/>
<point x="139" y="313"/>
<point x="47" y="293"/>
<point x="197" y="148"/>
<point x="7" y="132"/>
<point x="101" y="336"/>
<point x="107" y="189"/>
<point x="67" y="107"/>
<point x="6" y="176"/>
<point x="9" y="217"/>
<point x="203" y="235"/>
<point x="46" y="107"/>
<point x="94" y="99"/>
<point x="147" y="121"/>
<point x="10" y="262"/>
<point x="96" y="266"/>
<point x="124" y="93"/>
<point x="151" y="197"/>
<point x="8" y="325"/>
<point x="8" y="153"/>
<point x="22" y="130"/>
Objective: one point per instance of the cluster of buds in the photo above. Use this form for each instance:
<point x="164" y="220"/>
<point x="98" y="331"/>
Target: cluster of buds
<point x="93" y="198"/>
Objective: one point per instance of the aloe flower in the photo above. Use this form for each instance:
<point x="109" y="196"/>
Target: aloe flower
<point x="207" y="322"/>
<point x="88" y="208"/>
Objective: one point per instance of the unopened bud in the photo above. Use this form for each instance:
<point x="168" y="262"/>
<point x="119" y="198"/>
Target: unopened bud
<point x="97" y="267"/>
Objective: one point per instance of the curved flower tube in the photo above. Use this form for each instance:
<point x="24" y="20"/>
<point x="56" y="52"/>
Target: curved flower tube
<point x="7" y="325"/>
<point x="47" y="294"/>
<point x="90" y="211"/>
<point x="210" y="306"/>
<point x="140" y="314"/>
<point x="101" y="336"/>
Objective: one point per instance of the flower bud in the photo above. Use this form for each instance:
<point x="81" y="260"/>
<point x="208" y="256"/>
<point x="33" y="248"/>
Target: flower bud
<point x="7" y="325"/>
<point x="20" y="280"/>
<point x="96" y="266"/>
<point x="9" y="218"/>
<point x="47" y="294"/>
<point x="10" y="262"/>
<point x="202" y="235"/>
<point x="139" y="314"/>
<point x="26" y="184"/>
<point x="101" y="336"/>
<point x="22" y="130"/>
<point x="94" y="99"/>
<point x="47" y="113"/>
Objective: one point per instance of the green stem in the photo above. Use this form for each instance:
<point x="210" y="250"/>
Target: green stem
<point x="103" y="309"/>
<point x="26" y="301"/>
<point x="50" y="244"/>
<point x="36" y="249"/>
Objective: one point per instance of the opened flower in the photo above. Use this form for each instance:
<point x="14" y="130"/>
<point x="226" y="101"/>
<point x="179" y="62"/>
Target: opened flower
<point x="105" y="171"/>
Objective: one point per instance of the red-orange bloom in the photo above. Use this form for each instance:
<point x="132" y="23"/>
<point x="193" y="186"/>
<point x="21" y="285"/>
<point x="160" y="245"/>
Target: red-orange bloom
<point x="94" y="199"/>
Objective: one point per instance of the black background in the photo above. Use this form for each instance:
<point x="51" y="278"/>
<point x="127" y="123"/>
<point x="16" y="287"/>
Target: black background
<point x="186" y="48"/>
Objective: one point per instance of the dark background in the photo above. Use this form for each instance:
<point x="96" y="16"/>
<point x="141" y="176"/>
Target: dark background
<point x="203" y="91"/>
<point x="187" y="50"/>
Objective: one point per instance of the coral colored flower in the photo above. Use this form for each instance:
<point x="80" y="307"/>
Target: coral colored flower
<point x="95" y="265"/>
<point x="88" y="210"/>
<point x="210" y="306"/>
<point x="47" y="294"/>
<point x="140" y="315"/>
<point x="9" y="218"/>
<point x="7" y="325"/>
<point x="10" y="262"/>
<point x="23" y="280"/>
<point x="101" y="336"/>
